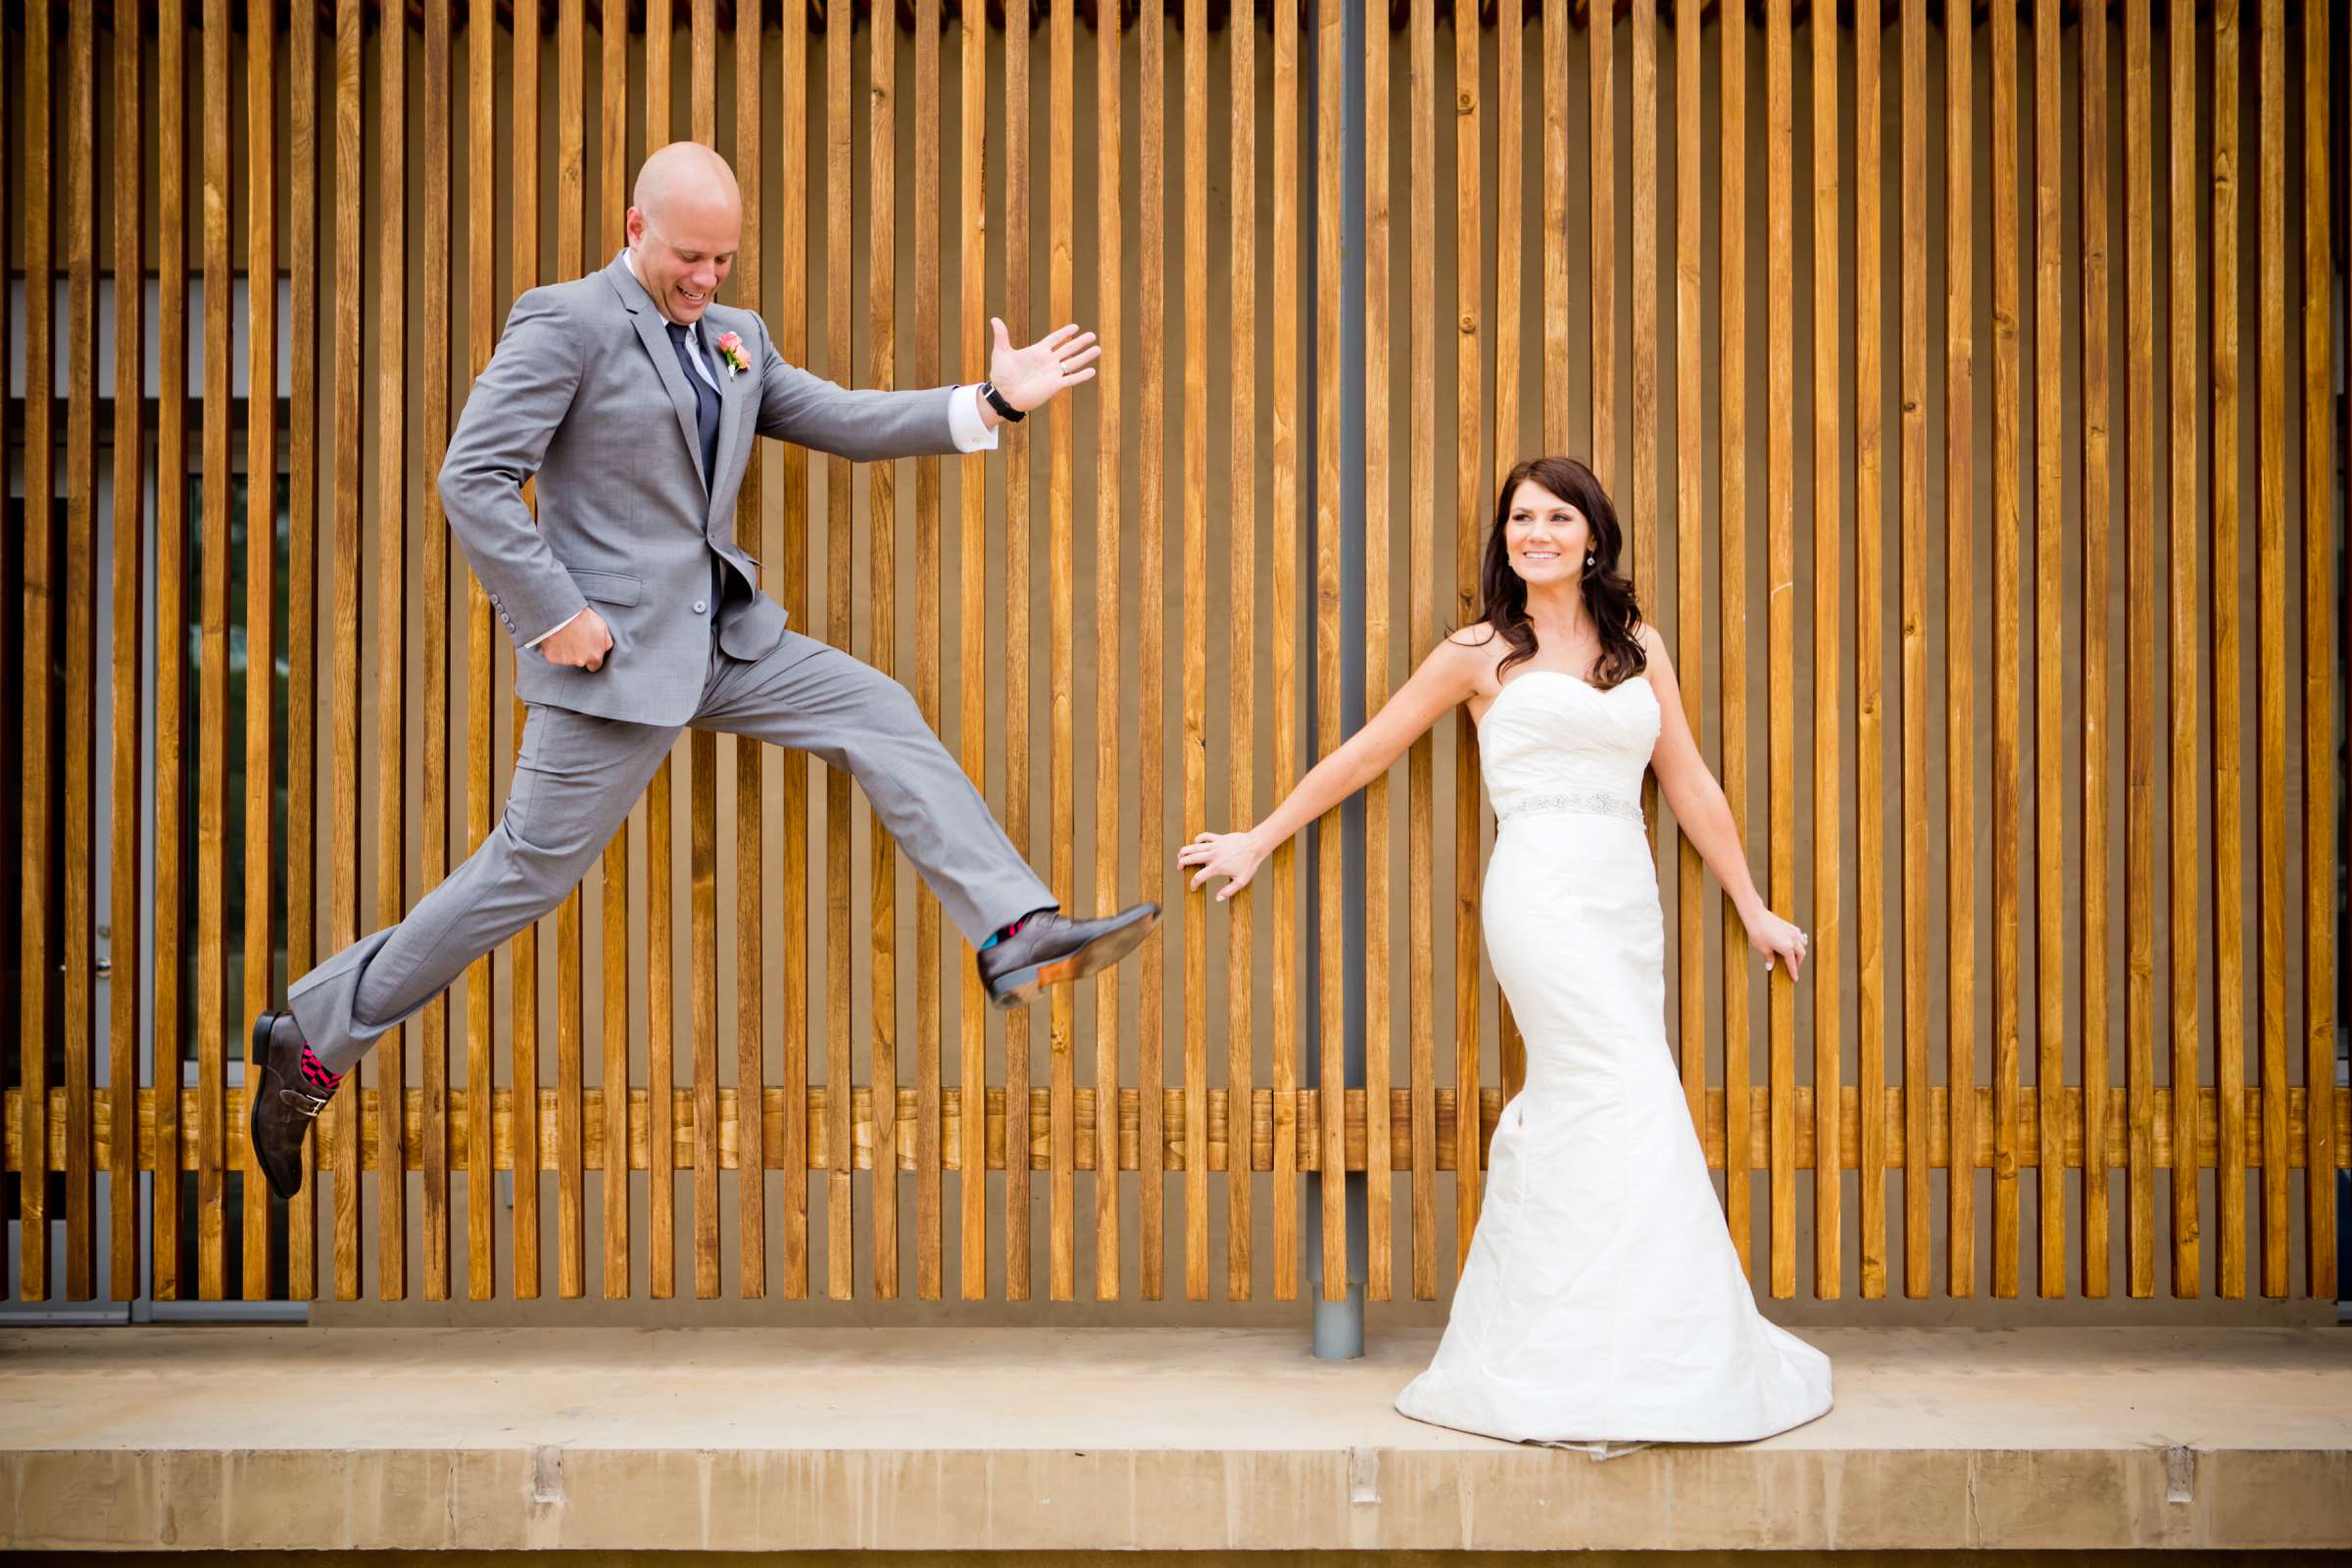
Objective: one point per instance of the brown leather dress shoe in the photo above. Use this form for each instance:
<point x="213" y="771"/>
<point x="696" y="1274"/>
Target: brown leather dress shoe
<point x="1050" y="949"/>
<point x="283" y="1105"/>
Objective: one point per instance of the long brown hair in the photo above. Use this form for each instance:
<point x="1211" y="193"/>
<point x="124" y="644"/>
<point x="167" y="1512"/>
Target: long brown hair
<point x="1609" y="592"/>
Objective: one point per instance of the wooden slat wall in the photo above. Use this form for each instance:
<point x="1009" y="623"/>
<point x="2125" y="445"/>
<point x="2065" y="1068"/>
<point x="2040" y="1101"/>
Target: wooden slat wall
<point x="2036" y="1098"/>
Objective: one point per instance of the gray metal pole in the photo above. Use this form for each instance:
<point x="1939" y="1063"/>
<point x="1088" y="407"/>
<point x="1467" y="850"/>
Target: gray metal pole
<point x="1338" y="1326"/>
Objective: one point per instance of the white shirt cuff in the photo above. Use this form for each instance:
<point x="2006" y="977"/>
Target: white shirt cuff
<point x="970" y="431"/>
<point x="556" y="627"/>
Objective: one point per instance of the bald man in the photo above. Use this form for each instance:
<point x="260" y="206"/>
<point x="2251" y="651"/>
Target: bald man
<point x="633" y="396"/>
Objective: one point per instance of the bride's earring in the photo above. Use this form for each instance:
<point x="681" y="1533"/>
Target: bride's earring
<point x="1588" y="561"/>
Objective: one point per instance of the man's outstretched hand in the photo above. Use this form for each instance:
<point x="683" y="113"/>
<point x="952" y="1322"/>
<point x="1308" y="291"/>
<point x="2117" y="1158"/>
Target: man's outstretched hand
<point x="1054" y="364"/>
<point x="582" y="643"/>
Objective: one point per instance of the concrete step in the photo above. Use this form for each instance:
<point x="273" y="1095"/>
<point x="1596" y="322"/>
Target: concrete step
<point x="1100" y="1438"/>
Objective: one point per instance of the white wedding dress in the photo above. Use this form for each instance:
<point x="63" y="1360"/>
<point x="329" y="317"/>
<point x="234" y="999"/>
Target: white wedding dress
<point x="1601" y="1302"/>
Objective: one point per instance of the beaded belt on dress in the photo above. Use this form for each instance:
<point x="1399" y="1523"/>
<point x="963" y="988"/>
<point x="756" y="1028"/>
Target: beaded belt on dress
<point x="1592" y="803"/>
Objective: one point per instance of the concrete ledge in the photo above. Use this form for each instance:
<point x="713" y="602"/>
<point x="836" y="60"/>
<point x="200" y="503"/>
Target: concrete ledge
<point x="1090" y="1439"/>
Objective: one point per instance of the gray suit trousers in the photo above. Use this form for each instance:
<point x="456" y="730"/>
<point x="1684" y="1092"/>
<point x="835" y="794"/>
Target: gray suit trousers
<point x="576" y="777"/>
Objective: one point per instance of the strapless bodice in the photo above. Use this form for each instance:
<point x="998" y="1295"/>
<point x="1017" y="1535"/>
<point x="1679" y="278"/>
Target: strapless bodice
<point x="1551" y="742"/>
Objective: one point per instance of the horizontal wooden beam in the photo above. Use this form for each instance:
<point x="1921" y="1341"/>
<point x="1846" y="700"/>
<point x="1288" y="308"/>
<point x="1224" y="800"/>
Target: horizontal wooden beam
<point x="819" y="1143"/>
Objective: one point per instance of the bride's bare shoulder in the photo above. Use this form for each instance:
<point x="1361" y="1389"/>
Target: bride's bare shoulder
<point x="1477" y="638"/>
<point x="1469" y="657"/>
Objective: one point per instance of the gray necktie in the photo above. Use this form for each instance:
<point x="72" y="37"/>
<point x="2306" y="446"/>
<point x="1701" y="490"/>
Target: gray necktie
<point x="706" y="404"/>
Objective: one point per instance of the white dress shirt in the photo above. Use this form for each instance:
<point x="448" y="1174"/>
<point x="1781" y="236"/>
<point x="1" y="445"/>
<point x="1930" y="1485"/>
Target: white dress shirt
<point x="969" y="431"/>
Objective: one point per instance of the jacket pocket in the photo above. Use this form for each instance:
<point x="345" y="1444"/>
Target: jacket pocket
<point x="610" y="587"/>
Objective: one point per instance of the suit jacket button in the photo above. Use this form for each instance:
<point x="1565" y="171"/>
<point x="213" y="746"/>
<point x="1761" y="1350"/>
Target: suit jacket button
<point x="700" y="607"/>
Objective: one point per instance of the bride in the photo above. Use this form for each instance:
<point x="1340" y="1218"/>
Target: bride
<point x="1602" y="1302"/>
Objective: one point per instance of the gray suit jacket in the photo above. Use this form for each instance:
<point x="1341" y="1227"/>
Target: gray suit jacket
<point x="586" y="392"/>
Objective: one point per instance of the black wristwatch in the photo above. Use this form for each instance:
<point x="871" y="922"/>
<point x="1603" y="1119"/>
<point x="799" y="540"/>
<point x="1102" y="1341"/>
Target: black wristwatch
<point x="996" y="401"/>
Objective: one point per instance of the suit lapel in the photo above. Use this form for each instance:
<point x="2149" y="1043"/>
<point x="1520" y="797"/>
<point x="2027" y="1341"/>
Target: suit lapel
<point x="733" y="400"/>
<point x="654" y="331"/>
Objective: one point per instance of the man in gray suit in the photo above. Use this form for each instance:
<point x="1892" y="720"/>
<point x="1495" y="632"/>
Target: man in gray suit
<point x="634" y="397"/>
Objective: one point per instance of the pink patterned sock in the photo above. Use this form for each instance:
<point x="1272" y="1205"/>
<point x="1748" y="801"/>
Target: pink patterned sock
<point x="315" y="1074"/>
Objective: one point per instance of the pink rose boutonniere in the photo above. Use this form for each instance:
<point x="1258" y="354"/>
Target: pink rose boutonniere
<point x="731" y="352"/>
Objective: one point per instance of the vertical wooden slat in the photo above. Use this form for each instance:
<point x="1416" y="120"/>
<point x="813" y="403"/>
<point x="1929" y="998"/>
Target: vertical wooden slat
<point x="702" y="877"/>
<point x="2096" y="747"/>
<point x="1151" y="657"/>
<point x="80" y="655"/>
<point x="1109" y="458"/>
<point x="661" y="917"/>
<point x="1331" y="66"/>
<point x="1829" y="916"/>
<point x="790" y="325"/>
<point x="660" y="28"/>
<point x="613" y="207"/>
<point x="704" y="23"/>
<point x="2007" y="829"/>
<point x="839" y="195"/>
<point x="434" y="1126"/>
<point x="1600" y="142"/>
<point x="1469" y="496"/>
<point x="302" y="569"/>
<point x="612" y="161"/>
<point x="1732" y="614"/>
<point x="1283" y="648"/>
<point x="481" y="329"/>
<point x="261" y="539"/>
<point x="615" y="1074"/>
<point x="164" y="1074"/>
<point x="882" y="244"/>
<point x="571" y="1232"/>
<point x="2051" y="531"/>
<point x="1242" y="709"/>
<point x="526" y="1000"/>
<point x="1642" y="486"/>
<point x="1870" y="664"/>
<point x="1421" y="522"/>
<point x="973" y="610"/>
<point x="1918" y="1180"/>
<point x="1959" y="649"/>
<point x="752" y="1161"/>
<point x="345" y="1112"/>
<point x="1689" y="514"/>
<point x="391" y="702"/>
<point x="702" y="752"/>
<point x="1555" y="412"/>
<point x="1779" y="555"/>
<point x="1424" y="520"/>
<point x="1195" y="636"/>
<point x="40" y="592"/>
<point x="212" y="809"/>
<point x="928" y="1240"/>
<point x="1468" y="542"/>
<point x="127" y="783"/>
<point x="1017" y="1031"/>
<point x="1062" y="827"/>
<point x="2181" y="31"/>
<point x="1471" y="524"/>
<point x="2228" y="677"/>
<point x="2140" y="683"/>
<point x="2271" y="609"/>
<point x="2320" y="654"/>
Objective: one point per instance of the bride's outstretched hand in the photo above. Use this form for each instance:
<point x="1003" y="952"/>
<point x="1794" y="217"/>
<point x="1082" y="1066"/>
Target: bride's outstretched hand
<point x="1778" y="939"/>
<point x="1235" y="856"/>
